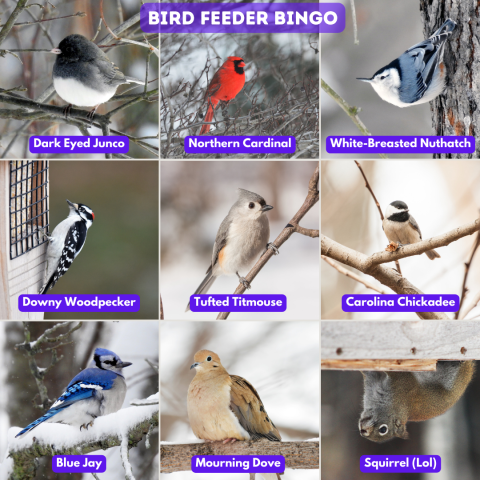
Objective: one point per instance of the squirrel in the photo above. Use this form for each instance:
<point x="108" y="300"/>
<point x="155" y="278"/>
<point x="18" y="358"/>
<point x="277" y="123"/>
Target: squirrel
<point x="391" y="399"/>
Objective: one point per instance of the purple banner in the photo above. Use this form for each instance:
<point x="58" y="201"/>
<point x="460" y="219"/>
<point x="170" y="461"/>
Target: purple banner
<point x="238" y="144"/>
<point x="79" y="463"/>
<point x="242" y="17"/>
<point x="400" y="303"/>
<point x="238" y="464"/>
<point x="78" y="144"/>
<point x="400" y="463"/>
<point x="400" y="144"/>
<point x="238" y="303"/>
<point x="78" y="303"/>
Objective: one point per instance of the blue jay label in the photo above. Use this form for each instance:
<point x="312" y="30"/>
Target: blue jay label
<point x="79" y="463"/>
<point x="401" y="463"/>
<point x="238" y="303"/>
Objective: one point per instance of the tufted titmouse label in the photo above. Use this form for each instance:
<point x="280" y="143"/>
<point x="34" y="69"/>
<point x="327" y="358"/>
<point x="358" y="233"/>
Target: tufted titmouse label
<point x="238" y="303"/>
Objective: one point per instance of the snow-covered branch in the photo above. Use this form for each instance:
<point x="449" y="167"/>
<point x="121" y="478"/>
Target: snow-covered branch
<point x="127" y="427"/>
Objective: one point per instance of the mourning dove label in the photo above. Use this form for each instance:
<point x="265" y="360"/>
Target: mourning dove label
<point x="238" y="303"/>
<point x="238" y="464"/>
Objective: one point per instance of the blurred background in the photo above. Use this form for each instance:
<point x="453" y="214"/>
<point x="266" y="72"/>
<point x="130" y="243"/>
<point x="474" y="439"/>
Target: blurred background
<point x="281" y="75"/>
<point x="132" y="341"/>
<point x="441" y="196"/>
<point x="196" y="197"/>
<point x="455" y="435"/>
<point x="286" y="378"/>
<point x="120" y="255"/>
<point x="385" y="31"/>
<point x="33" y="70"/>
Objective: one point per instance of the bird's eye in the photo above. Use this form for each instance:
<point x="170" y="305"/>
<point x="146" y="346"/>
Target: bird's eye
<point x="69" y="49"/>
<point x="251" y="205"/>
<point x="209" y="359"/>
<point x="383" y="430"/>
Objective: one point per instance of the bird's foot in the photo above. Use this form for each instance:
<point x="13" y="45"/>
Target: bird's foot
<point x="67" y="110"/>
<point x="42" y="230"/>
<point x="243" y="281"/>
<point x="86" y="425"/>
<point x="91" y="115"/>
<point x="229" y="440"/>
<point x="273" y="248"/>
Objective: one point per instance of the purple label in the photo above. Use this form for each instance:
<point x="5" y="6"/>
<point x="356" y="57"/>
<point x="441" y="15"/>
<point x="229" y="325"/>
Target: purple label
<point x="79" y="463"/>
<point x="238" y="464"/>
<point x="238" y="303"/>
<point x="78" y="303"/>
<point x="400" y="303"/>
<point x="400" y="144"/>
<point x="242" y="18"/>
<point x="236" y="144"/>
<point x="401" y="463"/>
<point x="78" y="144"/>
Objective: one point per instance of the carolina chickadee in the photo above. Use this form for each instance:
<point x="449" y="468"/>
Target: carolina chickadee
<point x="400" y="227"/>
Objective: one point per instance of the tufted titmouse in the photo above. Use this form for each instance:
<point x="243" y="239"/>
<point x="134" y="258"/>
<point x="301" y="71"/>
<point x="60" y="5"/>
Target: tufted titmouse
<point x="241" y="238"/>
<point x="400" y="227"/>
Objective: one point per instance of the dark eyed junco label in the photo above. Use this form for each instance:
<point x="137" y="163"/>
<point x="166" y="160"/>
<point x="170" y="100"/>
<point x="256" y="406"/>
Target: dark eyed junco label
<point x="78" y="144"/>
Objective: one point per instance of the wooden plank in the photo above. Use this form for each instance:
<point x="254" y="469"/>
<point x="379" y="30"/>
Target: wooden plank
<point x="4" y="239"/>
<point x="425" y="339"/>
<point x="380" y="365"/>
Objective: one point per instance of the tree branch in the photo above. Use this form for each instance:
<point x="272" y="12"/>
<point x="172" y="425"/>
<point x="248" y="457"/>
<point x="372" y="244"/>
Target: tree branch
<point x="286" y="233"/>
<point x="298" y="455"/>
<point x="21" y="5"/>
<point x="387" y="276"/>
<point x="82" y="443"/>
<point x="352" y="112"/>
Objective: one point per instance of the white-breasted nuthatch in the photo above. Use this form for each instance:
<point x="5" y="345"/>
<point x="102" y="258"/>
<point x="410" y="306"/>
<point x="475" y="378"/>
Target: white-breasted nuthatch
<point x="416" y="76"/>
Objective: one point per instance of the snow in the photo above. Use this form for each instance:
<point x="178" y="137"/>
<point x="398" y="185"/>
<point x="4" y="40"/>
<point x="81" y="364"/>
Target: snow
<point x="66" y="436"/>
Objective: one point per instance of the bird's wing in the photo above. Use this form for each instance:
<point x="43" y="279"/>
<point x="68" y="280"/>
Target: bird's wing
<point x="414" y="224"/>
<point x="250" y="412"/>
<point x="110" y="71"/>
<point x="85" y="385"/>
<point x="75" y="237"/>
<point x="220" y="240"/>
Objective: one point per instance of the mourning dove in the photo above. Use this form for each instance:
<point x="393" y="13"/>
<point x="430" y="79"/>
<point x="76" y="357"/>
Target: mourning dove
<point x="223" y="407"/>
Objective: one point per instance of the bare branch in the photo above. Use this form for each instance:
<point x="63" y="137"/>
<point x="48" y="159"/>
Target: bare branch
<point x="352" y="112"/>
<point x="298" y="455"/>
<point x="386" y="276"/>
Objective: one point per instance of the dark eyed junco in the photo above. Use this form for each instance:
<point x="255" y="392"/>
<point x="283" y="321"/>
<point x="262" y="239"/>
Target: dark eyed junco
<point x="83" y="75"/>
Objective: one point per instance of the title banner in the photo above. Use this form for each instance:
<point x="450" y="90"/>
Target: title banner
<point x="242" y="17"/>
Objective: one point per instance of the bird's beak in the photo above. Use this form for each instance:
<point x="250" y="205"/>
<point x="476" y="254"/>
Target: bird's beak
<point x="56" y="51"/>
<point x="241" y="64"/>
<point x="123" y="364"/>
<point x="73" y="205"/>
<point x="368" y="80"/>
<point x="266" y="208"/>
<point x="194" y="365"/>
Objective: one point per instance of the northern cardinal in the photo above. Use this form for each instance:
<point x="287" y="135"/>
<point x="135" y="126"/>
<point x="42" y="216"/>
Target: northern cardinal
<point x="225" y="85"/>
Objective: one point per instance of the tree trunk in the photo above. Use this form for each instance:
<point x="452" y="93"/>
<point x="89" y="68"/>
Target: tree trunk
<point x="457" y="111"/>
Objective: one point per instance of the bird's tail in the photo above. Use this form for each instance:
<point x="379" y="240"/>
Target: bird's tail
<point x="446" y="28"/>
<point x="37" y="422"/>
<point x="432" y="254"/>
<point x="209" y="116"/>
<point x="134" y="80"/>
<point x="204" y="287"/>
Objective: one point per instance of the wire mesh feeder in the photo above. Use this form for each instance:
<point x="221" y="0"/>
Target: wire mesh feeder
<point x="28" y="205"/>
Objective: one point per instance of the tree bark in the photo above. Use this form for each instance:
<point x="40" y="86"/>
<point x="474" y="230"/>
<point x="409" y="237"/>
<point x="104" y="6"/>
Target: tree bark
<point x="457" y="111"/>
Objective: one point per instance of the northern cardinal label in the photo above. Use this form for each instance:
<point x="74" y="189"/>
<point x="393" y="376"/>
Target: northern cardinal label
<point x="242" y="17"/>
<point x="237" y="144"/>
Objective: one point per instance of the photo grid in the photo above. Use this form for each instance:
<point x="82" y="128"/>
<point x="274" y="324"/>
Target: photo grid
<point x="210" y="269"/>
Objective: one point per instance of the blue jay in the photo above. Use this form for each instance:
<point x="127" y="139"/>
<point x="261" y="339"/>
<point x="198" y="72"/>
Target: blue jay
<point x="98" y="390"/>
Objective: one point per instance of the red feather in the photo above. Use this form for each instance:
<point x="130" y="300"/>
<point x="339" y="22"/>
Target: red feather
<point x="225" y="85"/>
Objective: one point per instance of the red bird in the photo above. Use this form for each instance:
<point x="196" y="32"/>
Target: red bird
<point x="225" y="85"/>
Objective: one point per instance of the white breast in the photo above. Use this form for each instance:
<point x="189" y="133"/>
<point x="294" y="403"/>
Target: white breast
<point x="76" y="93"/>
